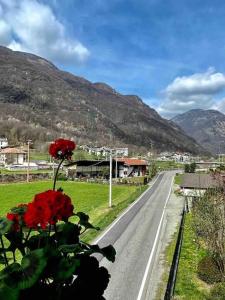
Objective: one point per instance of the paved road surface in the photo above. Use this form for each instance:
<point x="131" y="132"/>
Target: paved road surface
<point x="135" y="237"/>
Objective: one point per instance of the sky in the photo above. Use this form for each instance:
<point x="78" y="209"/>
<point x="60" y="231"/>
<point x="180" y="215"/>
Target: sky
<point x="171" y="53"/>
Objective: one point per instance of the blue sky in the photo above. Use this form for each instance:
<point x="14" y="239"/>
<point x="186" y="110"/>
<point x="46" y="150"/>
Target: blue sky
<point x="169" y="52"/>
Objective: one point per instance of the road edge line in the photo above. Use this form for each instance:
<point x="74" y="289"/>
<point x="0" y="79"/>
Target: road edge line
<point x="154" y="246"/>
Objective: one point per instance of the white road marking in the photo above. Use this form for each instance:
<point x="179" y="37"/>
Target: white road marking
<point x="153" y="248"/>
<point x="117" y="220"/>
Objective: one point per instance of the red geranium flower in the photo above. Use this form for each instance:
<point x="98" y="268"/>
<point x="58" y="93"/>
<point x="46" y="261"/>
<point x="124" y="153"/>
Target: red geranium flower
<point x="47" y="208"/>
<point x="15" y="218"/>
<point x="62" y="149"/>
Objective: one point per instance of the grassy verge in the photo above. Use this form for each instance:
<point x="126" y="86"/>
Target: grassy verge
<point x="188" y="285"/>
<point x="177" y="179"/>
<point x="168" y="254"/>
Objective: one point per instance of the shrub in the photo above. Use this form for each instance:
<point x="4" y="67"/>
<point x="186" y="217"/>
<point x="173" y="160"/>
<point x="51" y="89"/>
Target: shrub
<point x="217" y="292"/>
<point x="208" y="270"/>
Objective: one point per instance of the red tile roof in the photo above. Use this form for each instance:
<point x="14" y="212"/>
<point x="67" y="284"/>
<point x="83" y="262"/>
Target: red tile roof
<point x="12" y="151"/>
<point x="133" y="161"/>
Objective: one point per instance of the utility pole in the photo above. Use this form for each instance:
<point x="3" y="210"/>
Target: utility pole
<point x="28" y="159"/>
<point x="116" y="166"/>
<point x="110" y="178"/>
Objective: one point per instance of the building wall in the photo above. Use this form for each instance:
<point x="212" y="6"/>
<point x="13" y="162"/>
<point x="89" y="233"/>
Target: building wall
<point x="3" y="143"/>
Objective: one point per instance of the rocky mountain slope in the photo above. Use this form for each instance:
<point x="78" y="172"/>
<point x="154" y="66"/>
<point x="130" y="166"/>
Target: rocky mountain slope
<point x="41" y="102"/>
<point x="206" y="126"/>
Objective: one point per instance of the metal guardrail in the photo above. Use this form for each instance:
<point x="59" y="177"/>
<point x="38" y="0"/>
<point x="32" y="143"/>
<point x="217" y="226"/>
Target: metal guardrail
<point x="176" y="257"/>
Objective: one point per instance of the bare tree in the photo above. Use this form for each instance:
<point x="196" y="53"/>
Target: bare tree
<point x="209" y="224"/>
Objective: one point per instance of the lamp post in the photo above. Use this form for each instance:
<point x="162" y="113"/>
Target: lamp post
<point x="110" y="178"/>
<point x="28" y="159"/>
<point x="116" y="166"/>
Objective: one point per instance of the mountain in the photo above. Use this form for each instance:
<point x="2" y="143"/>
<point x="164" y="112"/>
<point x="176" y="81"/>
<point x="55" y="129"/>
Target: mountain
<point x="206" y="126"/>
<point x="41" y="102"/>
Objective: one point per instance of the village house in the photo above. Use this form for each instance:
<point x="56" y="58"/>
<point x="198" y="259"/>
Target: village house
<point x="122" y="167"/>
<point x="131" y="167"/>
<point x="194" y="185"/>
<point x="175" y="156"/>
<point x="89" y="168"/>
<point x="12" y="156"/>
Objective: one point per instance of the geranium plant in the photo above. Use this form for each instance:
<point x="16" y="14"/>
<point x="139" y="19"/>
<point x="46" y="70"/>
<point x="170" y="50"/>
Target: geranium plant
<point x="42" y="251"/>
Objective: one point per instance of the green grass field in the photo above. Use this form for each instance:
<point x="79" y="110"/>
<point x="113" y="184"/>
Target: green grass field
<point x="87" y="197"/>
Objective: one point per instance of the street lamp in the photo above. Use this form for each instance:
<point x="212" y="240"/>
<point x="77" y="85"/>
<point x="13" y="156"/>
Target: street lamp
<point x="110" y="178"/>
<point x="28" y="159"/>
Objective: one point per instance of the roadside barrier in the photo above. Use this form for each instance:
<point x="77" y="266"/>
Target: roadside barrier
<point x="176" y="257"/>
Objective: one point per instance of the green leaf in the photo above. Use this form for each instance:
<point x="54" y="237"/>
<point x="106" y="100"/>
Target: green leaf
<point x="7" y="293"/>
<point x="15" y="239"/>
<point x="74" y="248"/>
<point x="84" y="221"/>
<point x="83" y="217"/>
<point x="2" y="261"/>
<point x="109" y="252"/>
<point x="66" y="268"/>
<point x="7" y="271"/>
<point x="33" y="264"/>
<point x="25" y="275"/>
<point x="40" y="241"/>
<point x="19" y="210"/>
<point x="67" y="234"/>
<point x="5" y="225"/>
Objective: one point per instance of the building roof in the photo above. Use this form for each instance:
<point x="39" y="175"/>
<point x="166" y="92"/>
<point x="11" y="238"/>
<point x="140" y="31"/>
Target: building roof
<point x="133" y="161"/>
<point x="9" y="150"/>
<point x="87" y="162"/>
<point x="198" y="181"/>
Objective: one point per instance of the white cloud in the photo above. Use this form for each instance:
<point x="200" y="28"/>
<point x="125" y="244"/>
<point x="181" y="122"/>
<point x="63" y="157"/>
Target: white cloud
<point x="33" y="27"/>
<point x="191" y="92"/>
<point x="219" y="105"/>
<point x="5" y="32"/>
<point x="197" y="84"/>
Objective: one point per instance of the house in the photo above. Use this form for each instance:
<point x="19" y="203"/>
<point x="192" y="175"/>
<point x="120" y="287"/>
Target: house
<point x="195" y="185"/>
<point x="130" y="167"/>
<point x="89" y="168"/>
<point x="3" y="142"/>
<point x="124" y="167"/>
<point x="12" y="156"/>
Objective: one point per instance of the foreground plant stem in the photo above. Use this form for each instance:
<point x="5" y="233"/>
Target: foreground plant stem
<point x="27" y="236"/>
<point x="3" y="248"/>
<point x="56" y="173"/>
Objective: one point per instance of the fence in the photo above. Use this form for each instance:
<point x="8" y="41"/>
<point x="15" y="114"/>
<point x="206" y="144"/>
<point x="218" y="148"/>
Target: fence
<point x="176" y="257"/>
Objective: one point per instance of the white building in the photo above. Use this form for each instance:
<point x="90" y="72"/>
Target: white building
<point x="104" y="151"/>
<point x="12" y="156"/>
<point x="3" y="142"/>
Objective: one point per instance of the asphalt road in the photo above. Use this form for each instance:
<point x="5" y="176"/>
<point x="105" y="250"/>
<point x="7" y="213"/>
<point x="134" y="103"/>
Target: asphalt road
<point x="135" y="236"/>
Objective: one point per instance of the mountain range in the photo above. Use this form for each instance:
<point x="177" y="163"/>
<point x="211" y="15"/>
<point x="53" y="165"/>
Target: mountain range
<point x="40" y="102"/>
<point x="207" y="127"/>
